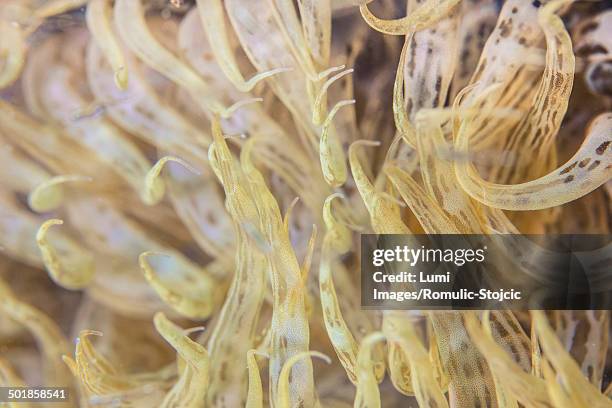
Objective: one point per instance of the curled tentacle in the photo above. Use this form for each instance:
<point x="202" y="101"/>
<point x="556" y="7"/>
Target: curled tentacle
<point x="68" y="265"/>
<point x="49" y="195"/>
<point x="190" y="389"/>
<point x="283" y="398"/>
<point x="191" y="294"/>
<point x="100" y="26"/>
<point x="154" y="185"/>
<point x="426" y="15"/>
<point x="331" y="154"/>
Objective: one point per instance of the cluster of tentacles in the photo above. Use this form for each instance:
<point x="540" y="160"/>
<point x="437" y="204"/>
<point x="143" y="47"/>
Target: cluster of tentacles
<point x="194" y="177"/>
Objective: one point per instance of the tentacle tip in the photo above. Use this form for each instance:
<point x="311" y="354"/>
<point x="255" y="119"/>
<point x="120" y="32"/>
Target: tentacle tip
<point x="121" y="78"/>
<point x="42" y="230"/>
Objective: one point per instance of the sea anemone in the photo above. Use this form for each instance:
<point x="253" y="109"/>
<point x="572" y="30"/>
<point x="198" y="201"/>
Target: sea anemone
<point x="211" y="164"/>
